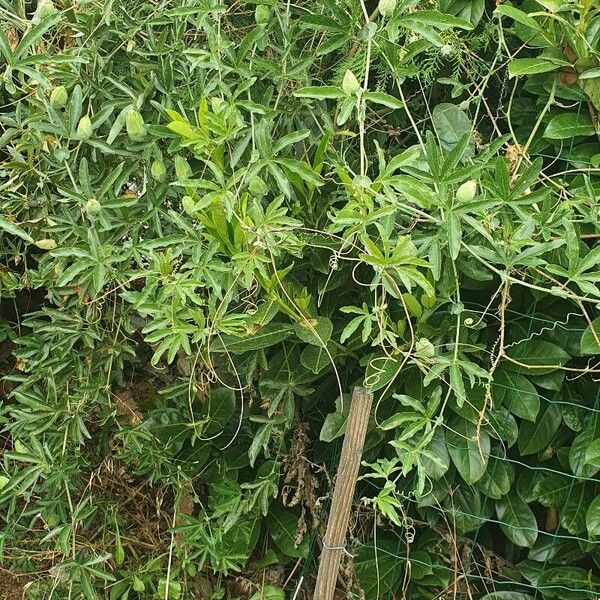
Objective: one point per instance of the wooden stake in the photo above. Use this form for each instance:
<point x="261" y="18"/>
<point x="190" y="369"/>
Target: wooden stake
<point x="343" y="494"/>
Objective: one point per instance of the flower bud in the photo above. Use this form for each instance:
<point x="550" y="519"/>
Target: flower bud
<point x="92" y="206"/>
<point x="59" y="97"/>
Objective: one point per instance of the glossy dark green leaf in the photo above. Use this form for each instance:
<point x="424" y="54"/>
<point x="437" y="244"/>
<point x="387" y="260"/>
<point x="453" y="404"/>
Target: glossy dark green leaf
<point x="573" y="513"/>
<point x="569" y="583"/>
<point x="569" y="125"/>
<point x="315" y="331"/>
<point x="592" y="517"/>
<point x="269" y="335"/>
<point x="316" y="358"/>
<point x="468" y="449"/>
<point x="553" y="489"/>
<point x="534" y="437"/>
<point x="535" y="356"/>
<point x="282" y="525"/>
<point x="518" y="394"/>
<point x="378" y="569"/>
<point x="582" y="444"/>
<point x="464" y="509"/>
<point x="590" y="340"/>
<point x="517" y="520"/>
<point x="496" y="481"/>
<point x="219" y="406"/>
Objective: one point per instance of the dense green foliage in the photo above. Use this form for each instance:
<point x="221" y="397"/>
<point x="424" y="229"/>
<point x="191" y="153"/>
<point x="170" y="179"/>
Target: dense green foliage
<point x="217" y="218"/>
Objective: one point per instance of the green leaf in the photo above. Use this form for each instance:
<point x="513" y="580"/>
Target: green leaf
<point x="381" y="370"/>
<point x="496" y="480"/>
<point x="300" y="168"/>
<point x="315" y="331"/>
<point x="464" y="509"/>
<point x="451" y="124"/>
<point x="269" y="335"/>
<point x="590" y="340"/>
<point x="320" y="93"/>
<point x="35" y="34"/>
<point x="14" y="229"/>
<point x="535" y="356"/>
<point x="530" y="66"/>
<point x="470" y="10"/>
<point x="568" y="583"/>
<point x="590" y="73"/>
<point x="440" y="20"/>
<point x="507" y="596"/>
<point x="569" y="125"/>
<point x="517" y="393"/>
<point x="383" y="99"/>
<point x="592" y="453"/>
<point x="517" y="520"/>
<point x="289" y="139"/>
<point x="553" y="489"/>
<point x="469" y="455"/>
<point x="592" y="517"/>
<point x="316" y="358"/>
<point x="334" y="425"/>
<point x="378" y="568"/>
<point x="219" y="409"/>
<point x="537" y="436"/>
<point x="517" y="15"/>
<point x="578" y="453"/>
<point x="269" y="592"/>
<point x="282" y="525"/>
<point x="573" y="514"/>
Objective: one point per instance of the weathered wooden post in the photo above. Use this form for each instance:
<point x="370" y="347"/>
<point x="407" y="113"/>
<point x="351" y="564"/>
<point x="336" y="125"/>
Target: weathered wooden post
<point x="343" y="494"/>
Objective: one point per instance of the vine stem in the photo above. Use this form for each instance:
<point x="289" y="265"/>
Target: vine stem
<point x="362" y="105"/>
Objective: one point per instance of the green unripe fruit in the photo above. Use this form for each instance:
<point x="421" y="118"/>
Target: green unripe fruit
<point x="425" y="348"/>
<point x="466" y="192"/>
<point x="182" y="168"/>
<point x="257" y="186"/>
<point x="189" y="205"/>
<point x="45" y="8"/>
<point x="46" y="244"/>
<point x="158" y="170"/>
<point x="262" y="14"/>
<point x="428" y="301"/>
<point x="350" y="84"/>
<point x="92" y="206"/>
<point x="85" y="129"/>
<point x="59" y="97"/>
<point x="387" y="7"/>
<point x="134" y="123"/>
